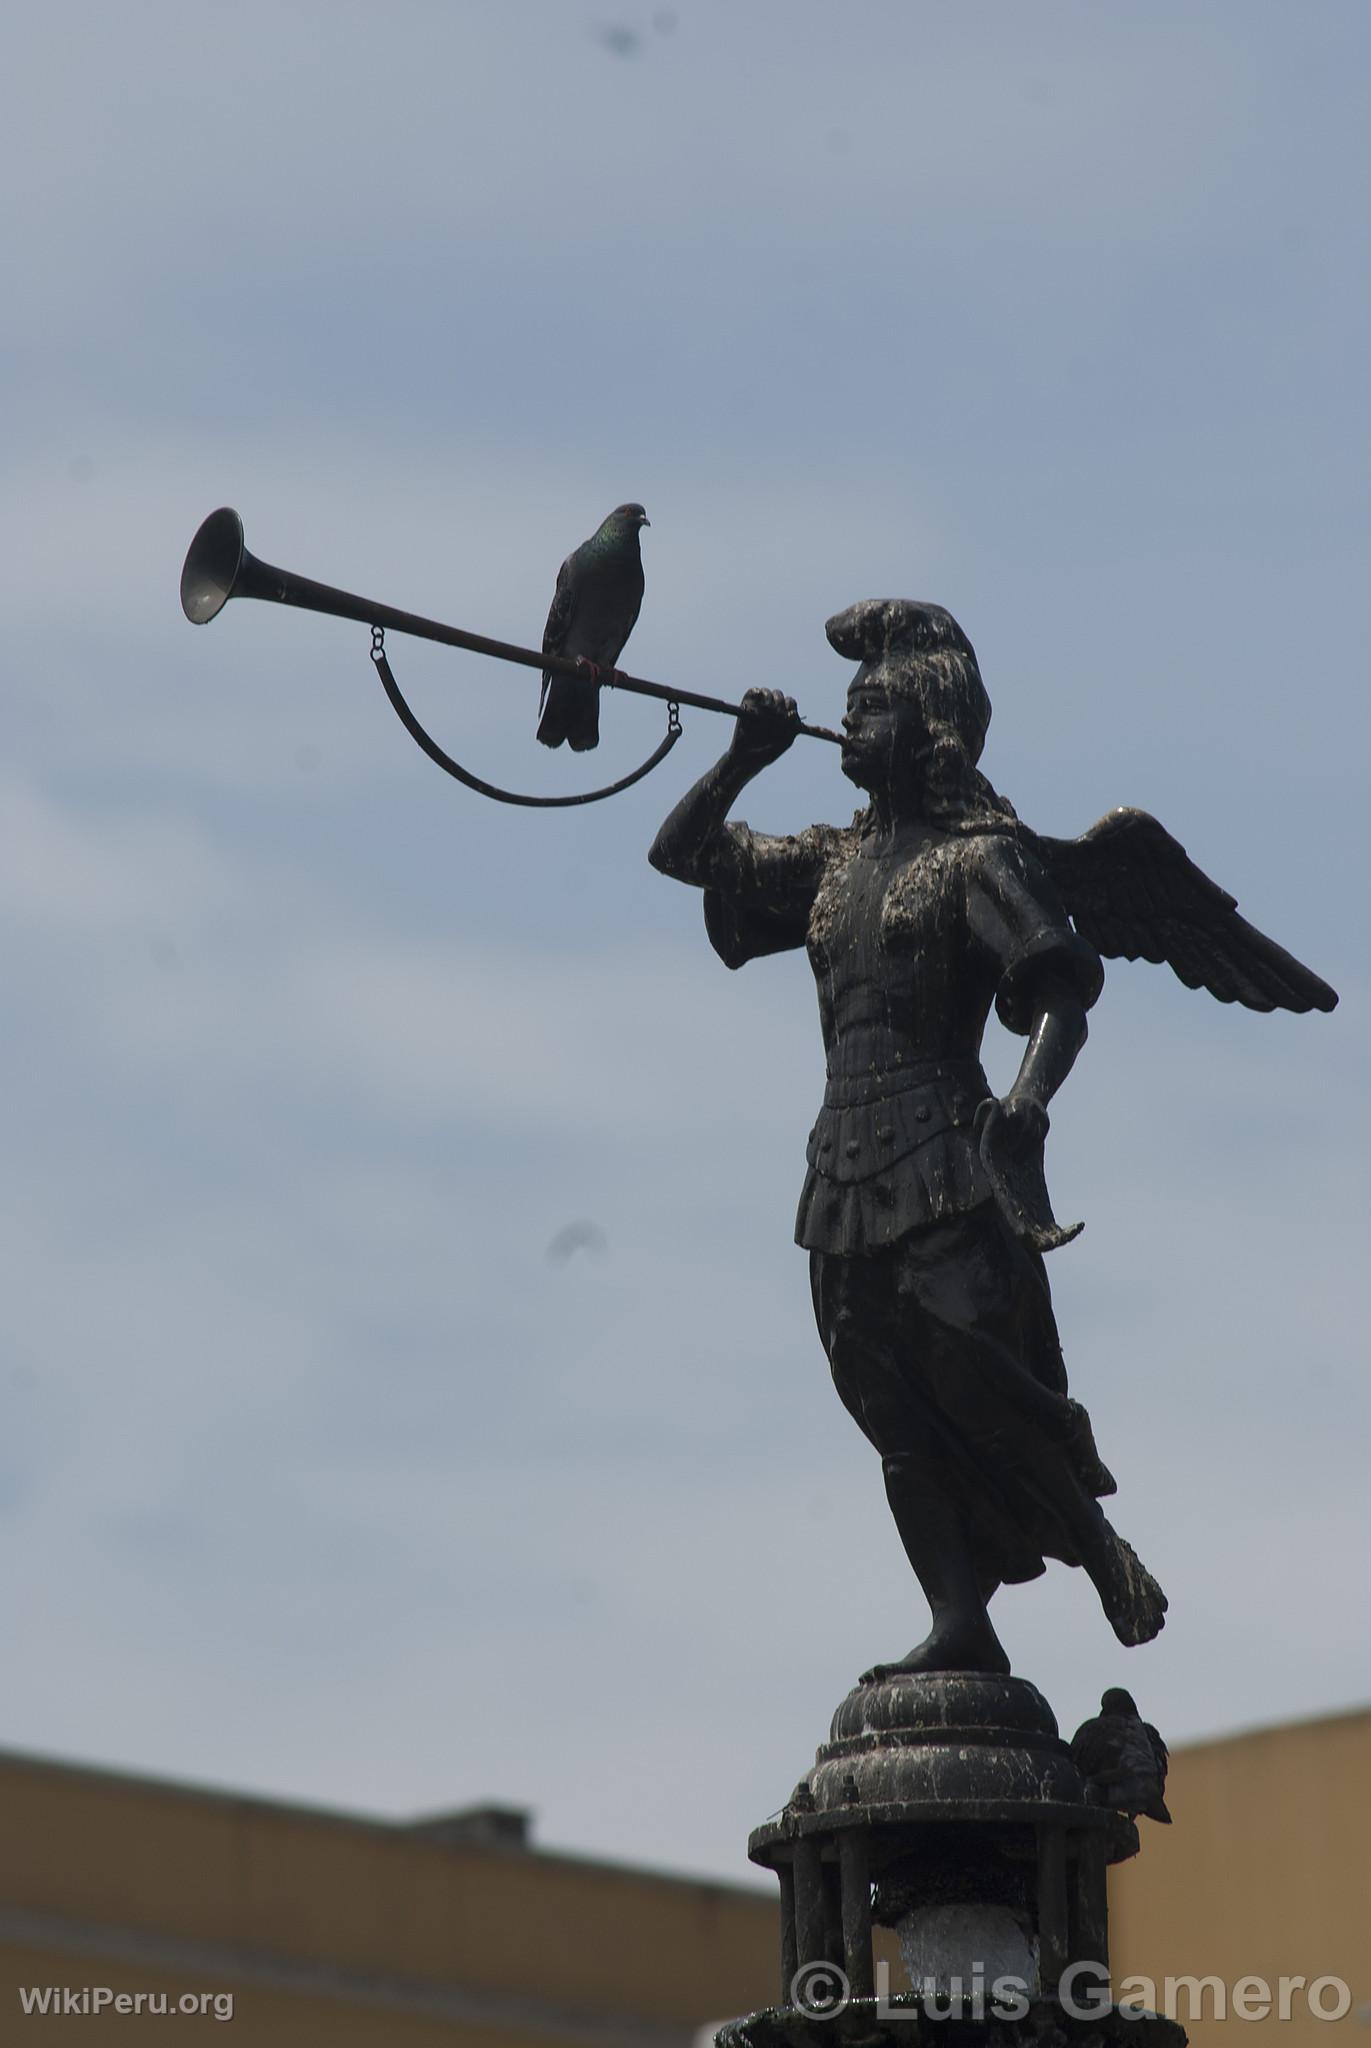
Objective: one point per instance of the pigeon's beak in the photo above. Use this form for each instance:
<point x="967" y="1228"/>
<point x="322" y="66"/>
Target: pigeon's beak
<point x="644" y="520"/>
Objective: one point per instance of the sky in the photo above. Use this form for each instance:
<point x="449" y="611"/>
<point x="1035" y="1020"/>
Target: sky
<point x="319" y="1477"/>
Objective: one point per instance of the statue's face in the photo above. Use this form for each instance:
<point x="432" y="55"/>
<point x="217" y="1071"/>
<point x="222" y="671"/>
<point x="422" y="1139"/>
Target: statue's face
<point x="882" y="729"/>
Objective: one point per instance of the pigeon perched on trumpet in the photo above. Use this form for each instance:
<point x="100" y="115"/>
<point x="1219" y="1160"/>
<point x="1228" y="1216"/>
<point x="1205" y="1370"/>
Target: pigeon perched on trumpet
<point x="594" y="609"/>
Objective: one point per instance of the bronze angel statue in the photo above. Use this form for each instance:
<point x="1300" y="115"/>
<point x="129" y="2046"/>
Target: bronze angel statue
<point x="924" y="1210"/>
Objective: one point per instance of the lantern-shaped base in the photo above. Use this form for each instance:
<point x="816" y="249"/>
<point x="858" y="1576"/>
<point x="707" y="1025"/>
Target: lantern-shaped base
<point x="946" y="1807"/>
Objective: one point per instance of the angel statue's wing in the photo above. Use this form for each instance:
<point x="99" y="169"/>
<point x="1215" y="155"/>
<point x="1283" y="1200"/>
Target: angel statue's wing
<point x="1135" y="894"/>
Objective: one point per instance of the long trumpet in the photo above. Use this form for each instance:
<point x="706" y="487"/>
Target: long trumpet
<point x="218" y="566"/>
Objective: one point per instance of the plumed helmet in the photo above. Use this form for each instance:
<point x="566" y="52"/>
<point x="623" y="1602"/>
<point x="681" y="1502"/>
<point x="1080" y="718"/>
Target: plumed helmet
<point x="894" y="625"/>
<point x="947" y="686"/>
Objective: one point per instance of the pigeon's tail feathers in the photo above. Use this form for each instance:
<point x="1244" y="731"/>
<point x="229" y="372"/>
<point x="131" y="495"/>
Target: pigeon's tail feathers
<point x="571" y="712"/>
<point x="552" y="715"/>
<point x="583" y="731"/>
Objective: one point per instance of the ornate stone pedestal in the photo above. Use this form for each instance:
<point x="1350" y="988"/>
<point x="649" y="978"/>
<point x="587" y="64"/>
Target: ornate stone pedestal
<point x="944" y="1806"/>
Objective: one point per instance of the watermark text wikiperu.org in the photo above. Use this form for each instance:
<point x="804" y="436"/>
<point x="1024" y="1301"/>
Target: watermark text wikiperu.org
<point x="93" y="2001"/>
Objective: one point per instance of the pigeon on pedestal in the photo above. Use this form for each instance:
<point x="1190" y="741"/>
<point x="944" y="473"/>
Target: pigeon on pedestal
<point x="1122" y="1758"/>
<point x="594" y="609"/>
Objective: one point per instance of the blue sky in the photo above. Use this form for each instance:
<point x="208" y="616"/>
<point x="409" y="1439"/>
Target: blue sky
<point x="317" y="1478"/>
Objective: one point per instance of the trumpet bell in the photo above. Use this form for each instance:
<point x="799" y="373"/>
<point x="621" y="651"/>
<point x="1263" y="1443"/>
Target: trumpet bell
<point x="213" y="561"/>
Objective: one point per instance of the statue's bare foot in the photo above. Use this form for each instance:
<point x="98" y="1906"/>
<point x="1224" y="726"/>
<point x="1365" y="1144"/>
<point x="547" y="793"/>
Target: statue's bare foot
<point x="1131" y="1598"/>
<point x="947" y="1649"/>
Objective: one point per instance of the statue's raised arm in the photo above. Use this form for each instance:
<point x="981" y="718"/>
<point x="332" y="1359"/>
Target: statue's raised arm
<point x="759" y="889"/>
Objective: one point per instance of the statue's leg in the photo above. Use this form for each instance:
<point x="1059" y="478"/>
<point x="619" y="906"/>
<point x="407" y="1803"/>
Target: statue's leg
<point x="933" y="1533"/>
<point x="980" y="1344"/>
<point x="873" y="1341"/>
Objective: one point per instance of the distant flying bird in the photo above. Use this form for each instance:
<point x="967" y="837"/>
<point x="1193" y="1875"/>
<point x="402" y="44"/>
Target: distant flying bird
<point x="579" y="1236"/>
<point x="1122" y="1758"/>
<point x="594" y="609"/>
<point x="620" y="38"/>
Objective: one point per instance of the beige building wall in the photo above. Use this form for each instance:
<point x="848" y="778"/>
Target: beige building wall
<point x="349" y="1933"/>
<point x="1266" y="1872"/>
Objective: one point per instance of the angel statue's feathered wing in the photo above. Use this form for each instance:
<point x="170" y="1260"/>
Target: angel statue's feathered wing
<point x="1135" y="894"/>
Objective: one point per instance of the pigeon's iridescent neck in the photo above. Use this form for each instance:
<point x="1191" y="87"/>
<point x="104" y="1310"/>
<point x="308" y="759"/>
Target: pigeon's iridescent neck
<point x="615" y="534"/>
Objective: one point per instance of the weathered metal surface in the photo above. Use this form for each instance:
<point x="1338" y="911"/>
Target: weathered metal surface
<point x="924" y="1207"/>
